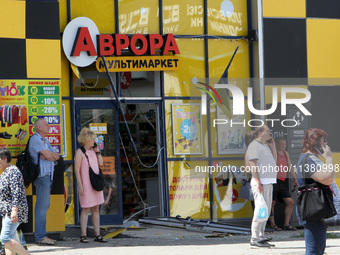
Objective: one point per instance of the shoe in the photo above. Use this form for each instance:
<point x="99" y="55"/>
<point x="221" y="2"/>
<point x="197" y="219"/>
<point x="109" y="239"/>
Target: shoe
<point x="289" y="227"/>
<point x="270" y="245"/>
<point x="5" y="135"/>
<point x="100" y="239"/>
<point x="47" y="241"/>
<point x="19" y="131"/>
<point x="22" y="135"/>
<point x="275" y="228"/>
<point x="265" y="239"/>
<point x="83" y="239"/>
<point x="260" y="245"/>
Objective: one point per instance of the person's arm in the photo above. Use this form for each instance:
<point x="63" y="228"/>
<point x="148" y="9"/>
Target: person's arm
<point x="14" y="215"/>
<point x="272" y="147"/>
<point x="49" y="155"/>
<point x="77" y="162"/>
<point x="108" y="197"/>
<point x="325" y="173"/>
<point x="255" y="172"/>
<point x="99" y="157"/>
<point x="292" y="170"/>
<point x="17" y="192"/>
<point x="246" y="163"/>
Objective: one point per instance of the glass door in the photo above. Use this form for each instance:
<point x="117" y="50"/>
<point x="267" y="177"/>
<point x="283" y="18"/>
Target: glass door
<point x="101" y="117"/>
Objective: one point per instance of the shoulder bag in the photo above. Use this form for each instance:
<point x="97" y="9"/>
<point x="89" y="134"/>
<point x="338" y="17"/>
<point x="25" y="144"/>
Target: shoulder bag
<point x="335" y="220"/>
<point x="97" y="180"/>
<point x="314" y="201"/>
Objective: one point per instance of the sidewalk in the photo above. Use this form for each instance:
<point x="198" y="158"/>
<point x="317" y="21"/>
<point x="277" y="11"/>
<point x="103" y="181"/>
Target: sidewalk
<point x="165" y="240"/>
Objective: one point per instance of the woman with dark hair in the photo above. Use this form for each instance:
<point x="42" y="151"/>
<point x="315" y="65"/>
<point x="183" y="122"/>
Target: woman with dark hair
<point x="13" y="203"/>
<point x="314" y="146"/>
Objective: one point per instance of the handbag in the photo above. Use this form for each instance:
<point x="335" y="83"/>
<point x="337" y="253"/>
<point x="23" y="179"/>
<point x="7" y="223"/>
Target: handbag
<point x="335" y="220"/>
<point x="97" y="180"/>
<point x="314" y="201"/>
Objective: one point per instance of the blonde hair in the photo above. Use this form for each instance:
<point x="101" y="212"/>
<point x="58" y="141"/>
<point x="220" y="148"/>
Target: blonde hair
<point x="85" y="136"/>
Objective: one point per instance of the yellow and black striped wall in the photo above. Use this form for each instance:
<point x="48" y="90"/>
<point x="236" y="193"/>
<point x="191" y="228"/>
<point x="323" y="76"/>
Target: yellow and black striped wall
<point x="30" y="49"/>
<point x="301" y="48"/>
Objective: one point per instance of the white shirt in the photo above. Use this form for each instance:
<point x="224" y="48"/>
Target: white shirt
<point x="265" y="161"/>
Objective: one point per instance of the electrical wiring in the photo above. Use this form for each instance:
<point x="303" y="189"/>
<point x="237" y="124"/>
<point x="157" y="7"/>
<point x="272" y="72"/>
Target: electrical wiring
<point x="133" y="178"/>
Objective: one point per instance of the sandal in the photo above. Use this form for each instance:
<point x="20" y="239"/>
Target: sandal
<point x="275" y="228"/>
<point x="83" y="239"/>
<point x="289" y="227"/>
<point x="100" y="239"/>
<point x="47" y="241"/>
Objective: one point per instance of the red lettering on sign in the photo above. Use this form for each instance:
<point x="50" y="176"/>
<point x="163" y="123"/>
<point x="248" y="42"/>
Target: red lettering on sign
<point x="105" y="45"/>
<point x="108" y="45"/>
<point x="154" y="45"/>
<point x="170" y="45"/>
<point x="83" y="42"/>
<point x="122" y="41"/>
<point x="143" y="42"/>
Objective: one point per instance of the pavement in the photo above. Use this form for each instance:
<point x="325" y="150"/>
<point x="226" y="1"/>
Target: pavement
<point x="154" y="239"/>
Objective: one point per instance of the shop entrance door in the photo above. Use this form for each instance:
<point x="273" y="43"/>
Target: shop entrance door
<point x="101" y="117"/>
<point x="141" y="173"/>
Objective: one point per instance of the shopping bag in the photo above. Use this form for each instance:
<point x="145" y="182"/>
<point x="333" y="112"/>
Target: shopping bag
<point x="261" y="209"/>
<point x="227" y="197"/>
<point x="335" y="220"/>
<point x="246" y="191"/>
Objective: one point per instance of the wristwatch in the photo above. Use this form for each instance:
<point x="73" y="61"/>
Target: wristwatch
<point x="98" y="152"/>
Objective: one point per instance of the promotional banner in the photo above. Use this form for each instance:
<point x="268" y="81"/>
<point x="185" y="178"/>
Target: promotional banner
<point x="22" y="103"/>
<point x="188" y="193"/>
<point x="187" y="129"/>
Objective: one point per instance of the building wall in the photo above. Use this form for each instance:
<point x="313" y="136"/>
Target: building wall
<point x="30" y="51"/>
<point x="301" y="48"/>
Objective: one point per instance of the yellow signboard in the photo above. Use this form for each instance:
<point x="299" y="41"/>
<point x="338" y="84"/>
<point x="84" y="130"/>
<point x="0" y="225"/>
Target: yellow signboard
<point x="99" y="128"/>
<point x="149" y="63"/>
<point x="22" y="102"/>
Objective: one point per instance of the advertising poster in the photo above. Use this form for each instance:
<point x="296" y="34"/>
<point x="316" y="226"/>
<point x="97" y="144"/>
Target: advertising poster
<point x="230" y="137"/>
<point x="228" y="191"/>
<point x="22" y="102"/>
<point x="187" y="129"/>
<point x="188" y="193"/>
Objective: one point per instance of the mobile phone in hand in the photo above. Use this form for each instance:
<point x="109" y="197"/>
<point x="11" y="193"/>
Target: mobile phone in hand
<point x="95" y="145"/>
<point x="319" y="148"/>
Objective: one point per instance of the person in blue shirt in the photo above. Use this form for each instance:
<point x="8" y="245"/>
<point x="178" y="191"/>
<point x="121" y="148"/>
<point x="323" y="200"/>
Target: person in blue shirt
<point x="314" y="146"/>
<point x="39" y="145"/>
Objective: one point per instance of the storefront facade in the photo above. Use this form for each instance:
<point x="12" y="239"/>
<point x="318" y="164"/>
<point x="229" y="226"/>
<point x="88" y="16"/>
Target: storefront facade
<point x="158" y="143"/>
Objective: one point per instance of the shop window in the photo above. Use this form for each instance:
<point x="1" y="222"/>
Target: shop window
<point x="92" y="83"/>
<point x="227" y="17"/>
<point x="132" y="84"/>
<point x="140" y="84"/>
<point x="185" y="17"/>
<point x="138" y="17"/>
